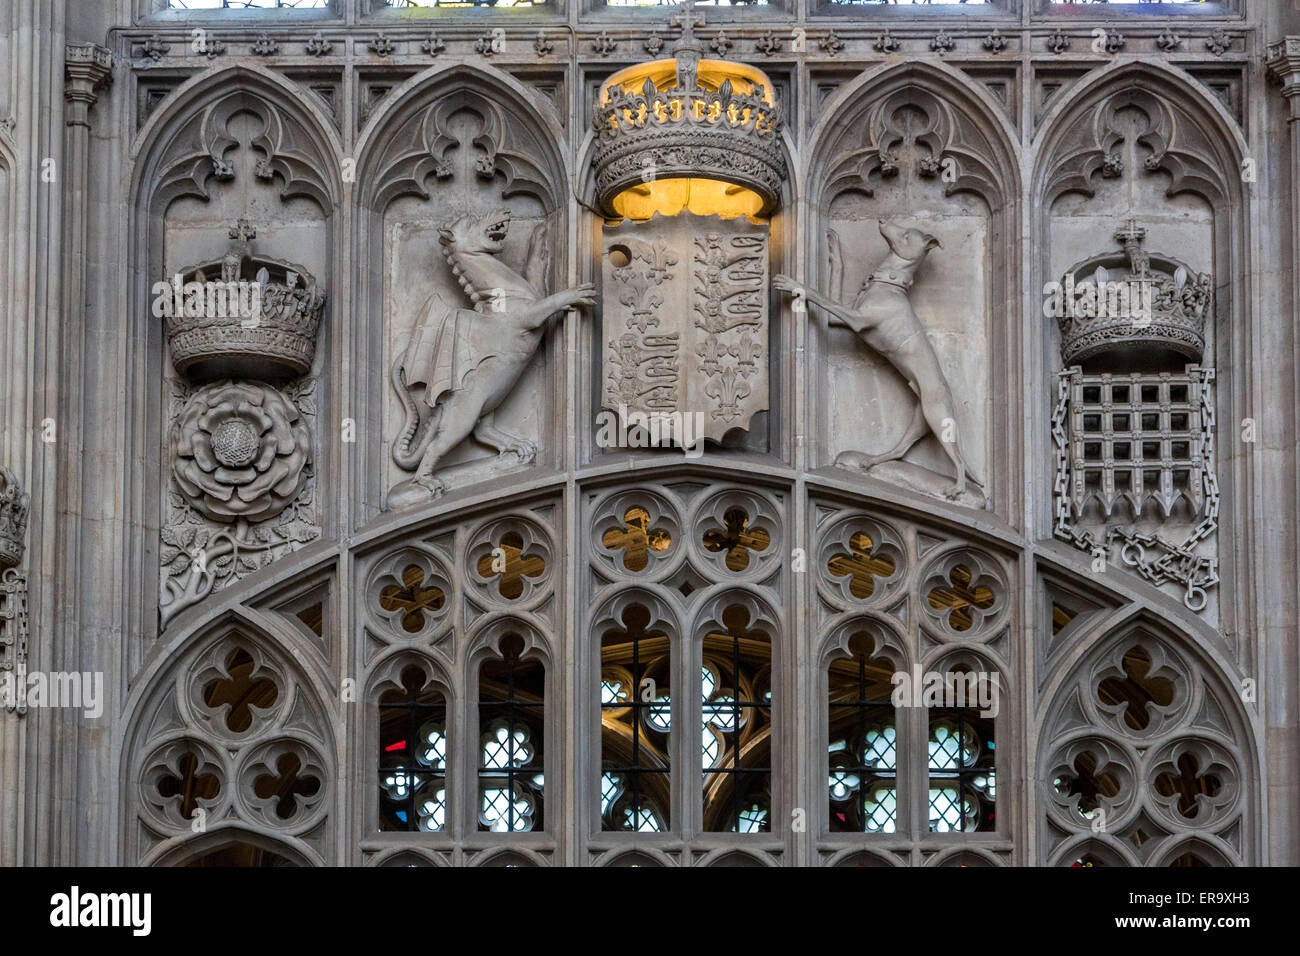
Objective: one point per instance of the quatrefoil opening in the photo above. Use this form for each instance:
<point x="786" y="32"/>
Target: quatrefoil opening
<point x="637" y="539"/>
<point x="413" y="598"/>
<point x="861" y="564"/>
<point x="736" y="539"/>
<point x="510" y="562"/>
<point x="962" y="600"/>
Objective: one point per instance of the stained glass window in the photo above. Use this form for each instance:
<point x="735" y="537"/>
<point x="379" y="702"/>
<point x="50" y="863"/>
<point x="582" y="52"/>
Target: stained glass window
<point x="962" y="794"/>
<point x="863" y="742"/>
<point x="736" y="721"/>
<point x="412" y="756"/>
<point x="511" y="733"/>
<point x="635" y="715"/>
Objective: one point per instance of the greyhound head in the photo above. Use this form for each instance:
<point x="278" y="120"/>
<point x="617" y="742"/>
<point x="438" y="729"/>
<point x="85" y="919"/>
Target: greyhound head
<point x="469" y="234"/>
<point x="912" y="245"/>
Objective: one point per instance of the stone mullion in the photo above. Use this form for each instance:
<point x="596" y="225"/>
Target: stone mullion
<point x="1278" y="625"/>
<point x="37" y="42"/>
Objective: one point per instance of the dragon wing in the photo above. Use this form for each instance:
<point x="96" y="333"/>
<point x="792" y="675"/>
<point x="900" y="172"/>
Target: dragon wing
<point x="431" y="354"/>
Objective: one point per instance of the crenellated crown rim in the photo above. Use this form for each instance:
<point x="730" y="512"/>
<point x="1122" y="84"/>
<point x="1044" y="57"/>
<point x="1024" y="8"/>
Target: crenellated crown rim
<point x="224" y="337"/>
<point x="1134" y="301"/>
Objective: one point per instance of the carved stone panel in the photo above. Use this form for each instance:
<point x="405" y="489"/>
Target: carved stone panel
<point x="686" y="330"/>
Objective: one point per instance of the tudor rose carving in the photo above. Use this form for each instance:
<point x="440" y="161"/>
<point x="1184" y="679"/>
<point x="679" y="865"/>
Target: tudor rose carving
<point x="883" y="318"/>
<point x="468" y="360"/>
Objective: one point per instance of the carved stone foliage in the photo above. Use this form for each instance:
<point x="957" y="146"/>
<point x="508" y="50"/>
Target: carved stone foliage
<point x="233" y="736"/>
<point x="685" y="320"/>
<point x="1142" y="762"/>
<point x="242" y="487"/>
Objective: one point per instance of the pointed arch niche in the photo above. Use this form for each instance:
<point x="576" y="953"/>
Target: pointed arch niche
<point x="229" y="746"/>
<point x="1146" y="756"/>
<point x="239" y="150"/>
<point x="452" y="141"/>
<point x="1145" y="149"/>
<point x="917" y="145"/>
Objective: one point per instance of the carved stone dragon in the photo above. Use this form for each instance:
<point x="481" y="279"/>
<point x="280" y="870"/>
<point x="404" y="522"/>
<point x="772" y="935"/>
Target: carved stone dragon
<point x="468" y="360"/>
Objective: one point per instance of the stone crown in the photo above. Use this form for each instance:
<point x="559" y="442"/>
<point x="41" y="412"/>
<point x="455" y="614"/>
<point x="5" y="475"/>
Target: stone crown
<point x="278" y="339"/>
<point x="690" y="118"/>
<point x="1156" y="306"/>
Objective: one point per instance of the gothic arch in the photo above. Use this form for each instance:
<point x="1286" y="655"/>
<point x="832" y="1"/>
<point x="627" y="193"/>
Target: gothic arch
<point x="910" y="141"/>
<point x="187" y="739"/>
<point x="181" y="154"/>
<point x="1185" y="136"/>
<point x="996" y="160"/>
<point x="407" y="152"/>
<point x="1143" y="730"/>
<point x="188" y="852"/>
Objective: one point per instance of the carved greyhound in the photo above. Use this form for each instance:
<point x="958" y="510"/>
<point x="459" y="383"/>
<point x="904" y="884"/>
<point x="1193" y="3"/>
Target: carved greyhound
<point x="470" y="359"/>
<point x="882" y="316"/>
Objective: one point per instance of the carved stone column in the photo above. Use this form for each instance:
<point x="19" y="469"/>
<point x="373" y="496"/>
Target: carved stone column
<point x="1277" y="619"/>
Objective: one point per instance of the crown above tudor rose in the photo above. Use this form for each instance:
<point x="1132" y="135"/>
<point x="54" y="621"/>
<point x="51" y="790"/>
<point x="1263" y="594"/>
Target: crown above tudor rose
<point x="13" y="519"/>
<point x="243" y="315"/>
<point x="667" y="123"/>
<point x="1153" y="305"/>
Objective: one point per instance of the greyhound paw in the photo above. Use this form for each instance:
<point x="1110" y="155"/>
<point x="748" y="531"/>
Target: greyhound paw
<point x="856" y="460"/>
<point x="526" y="450"/>
<point x="955" y="492"/>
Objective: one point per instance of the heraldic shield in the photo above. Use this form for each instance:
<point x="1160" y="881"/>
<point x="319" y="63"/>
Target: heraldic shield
<point x="686" y="321"/>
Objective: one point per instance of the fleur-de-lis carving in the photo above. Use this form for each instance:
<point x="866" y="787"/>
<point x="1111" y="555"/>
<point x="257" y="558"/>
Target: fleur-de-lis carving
<point x="265" y="46"/>
<point x="1059" y="41"/>
<point x="381" y="45"/>
<point x="154" y="48"/>
<point x="1219" y="42"/>
<point x="995" y="42"/>
<point x="604" y="44"/>
<point x="830" y="43"/>
<point x="318" y="45"/>
<point x="433" y="44"/>
<point x="543" y="44"/>
<point x="768" y="44"/>
<point x="887" y="42"/>
<point x="941" y="42"/>
<point x="1169" y="41"/>
<point x="721" y="43"/>
<point x="653" y="44"/>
